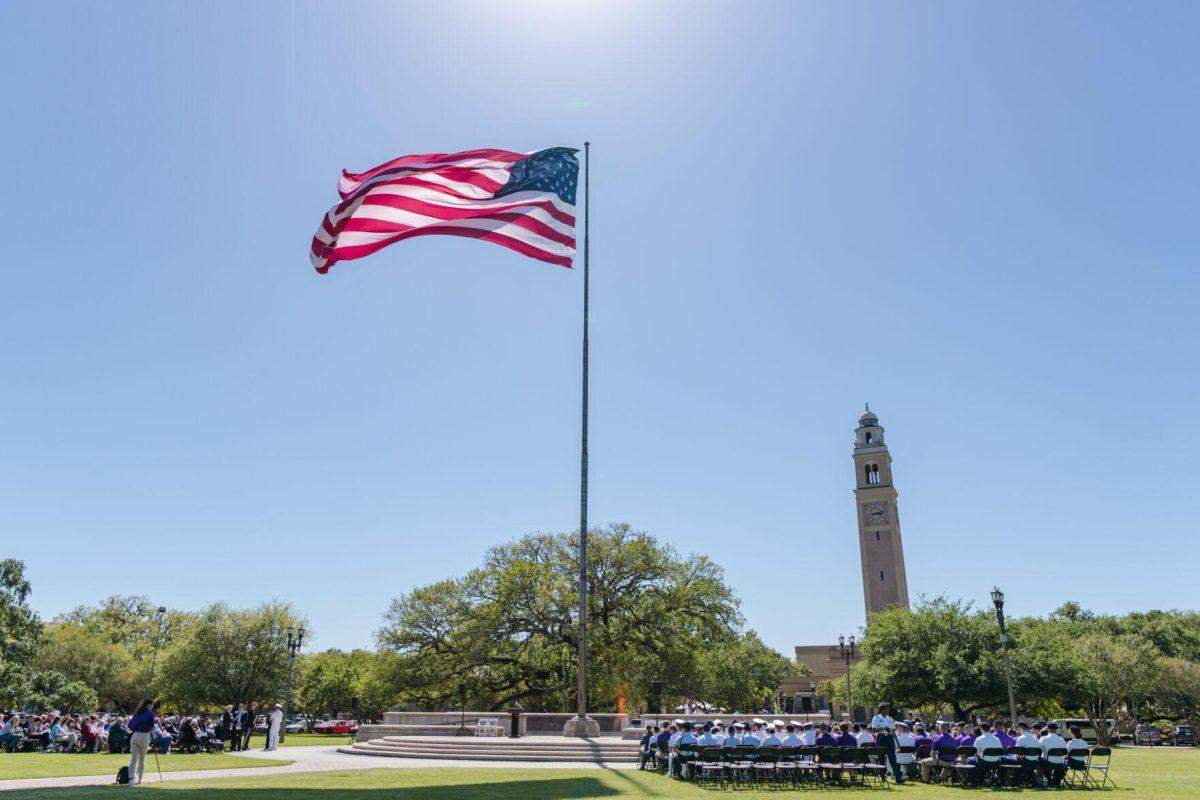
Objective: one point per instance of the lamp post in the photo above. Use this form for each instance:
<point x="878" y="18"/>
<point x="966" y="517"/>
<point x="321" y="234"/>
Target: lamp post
<point x="998" y="600"/>
<point x="847" y="652"/>
<point x="294" y="641"/>
<point x="161" y="612"/>
<point x="812" y="701"/>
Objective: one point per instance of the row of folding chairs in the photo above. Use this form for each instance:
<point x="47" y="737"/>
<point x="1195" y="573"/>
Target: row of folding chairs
<point x="1024" y="766"/>
<point x="778" y="765"/>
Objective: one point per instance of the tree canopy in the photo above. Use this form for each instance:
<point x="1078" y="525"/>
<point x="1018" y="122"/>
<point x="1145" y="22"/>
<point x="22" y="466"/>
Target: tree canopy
<point x="507" y="631"/>
<point x="20" y="632"/>
<point x="945" y="654"/>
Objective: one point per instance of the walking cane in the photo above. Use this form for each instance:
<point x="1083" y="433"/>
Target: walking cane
<point x="157" y="764"/>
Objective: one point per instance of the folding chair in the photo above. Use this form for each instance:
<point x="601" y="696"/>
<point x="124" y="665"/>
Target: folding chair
<point x="787" y="765"/>
<point x="854" y="761"/>
<point x="711" y="765"/>
<point x="987" y="766"/>
<point x="740" y="760"/>
<point x="1076" y="776"/>
<point x="662" y="758"/>
<point x="1096" y="765"/>
<point x="831" y="764"/>
<point x="1055" y="772"/>
<point x="764" y="763"/>
<point x="908" y="768"/>
<point x="875" y="764"/>
<point x="807" y="768"/>
<point x="963" y="771"/>
<point x="687" y="756"/>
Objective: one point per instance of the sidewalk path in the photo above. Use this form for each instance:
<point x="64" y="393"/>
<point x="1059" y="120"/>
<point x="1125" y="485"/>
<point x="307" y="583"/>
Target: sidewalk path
<point x="307" y="759"/>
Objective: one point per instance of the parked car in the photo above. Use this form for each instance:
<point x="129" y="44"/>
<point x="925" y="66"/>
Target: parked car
<point x="1184" y="736"/>
<point x="1147" y="735"/>
<point x="336" y="726"/>
<point x="296" y="725"/>
<point x="340" y="726"/>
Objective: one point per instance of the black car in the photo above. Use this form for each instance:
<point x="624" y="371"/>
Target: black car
<point x="1184" y="735"/>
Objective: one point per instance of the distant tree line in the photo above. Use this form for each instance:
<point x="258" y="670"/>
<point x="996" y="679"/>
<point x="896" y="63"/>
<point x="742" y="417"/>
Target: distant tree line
<point x="944" y="657"/>
<point x="504" y="633"/>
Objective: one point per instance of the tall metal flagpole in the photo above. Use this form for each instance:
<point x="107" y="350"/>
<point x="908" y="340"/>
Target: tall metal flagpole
<point x="581" y="701"/>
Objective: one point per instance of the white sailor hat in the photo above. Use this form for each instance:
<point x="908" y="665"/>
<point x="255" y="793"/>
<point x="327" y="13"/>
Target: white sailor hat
<point x="717" y="722"/>
<point x="778" y="723"/>
<point x="739" y="725"/>
<point x="758" y="721"/>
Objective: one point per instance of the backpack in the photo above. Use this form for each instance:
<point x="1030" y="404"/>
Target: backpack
<point x="123" y="775"/>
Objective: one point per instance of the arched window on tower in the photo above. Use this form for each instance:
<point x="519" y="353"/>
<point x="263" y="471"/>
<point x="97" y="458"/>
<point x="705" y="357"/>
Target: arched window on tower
<point x="867" y="473"/>
<point x="867" y="436"/>
<point x="872" y="473"/>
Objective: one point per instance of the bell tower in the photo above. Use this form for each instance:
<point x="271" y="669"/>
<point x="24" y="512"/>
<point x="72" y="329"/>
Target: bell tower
<point x="884" y="582"/>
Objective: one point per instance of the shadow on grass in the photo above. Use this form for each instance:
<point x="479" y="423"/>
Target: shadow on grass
<point x="532" y="789"/>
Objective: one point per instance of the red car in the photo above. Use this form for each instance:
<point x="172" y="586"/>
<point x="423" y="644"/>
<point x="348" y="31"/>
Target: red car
<point x="343" y="727"/>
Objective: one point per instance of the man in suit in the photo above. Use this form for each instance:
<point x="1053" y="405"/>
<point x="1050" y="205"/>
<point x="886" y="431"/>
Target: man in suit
<point x="248" y="727"/>
<point x="235" y="729"/>
<point x="226" y="733"/>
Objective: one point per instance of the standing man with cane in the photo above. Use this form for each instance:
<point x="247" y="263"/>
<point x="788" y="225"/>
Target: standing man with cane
<point x="886" y="728"/>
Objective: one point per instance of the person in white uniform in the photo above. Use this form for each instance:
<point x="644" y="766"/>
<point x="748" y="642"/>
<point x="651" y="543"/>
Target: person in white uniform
<point x="273" y="727"/>
<point x="1055" y="766"/>
<point x="904" y="739"/>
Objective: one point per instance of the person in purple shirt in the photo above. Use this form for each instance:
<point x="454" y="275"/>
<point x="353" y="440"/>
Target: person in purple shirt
<point x="942" y="754"/>
<point x="1006" y="740"/>
<point x="141" y="723"/>
<point x="919" y="735"/>
<point x="825" y="738"/>
<point x="968" y="736"/>
<point x="846" y="738"/>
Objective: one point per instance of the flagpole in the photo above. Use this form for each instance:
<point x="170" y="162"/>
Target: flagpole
<point x="581" y="701"/>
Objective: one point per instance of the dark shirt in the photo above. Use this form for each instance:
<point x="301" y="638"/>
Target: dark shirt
<point x="645" y="741"/>
<point x="142" y="722"/>
<point x="847" y="740"/>
<point x="663" y="739"/>
<point x="944" y="746"/>
<point x="920" y="740"/>
<point x="826" y="740"/>
<point x="966" y="740"/>
<point x="1006" y="741"/>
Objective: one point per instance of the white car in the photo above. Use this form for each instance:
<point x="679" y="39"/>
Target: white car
<point x="296" y="725"/>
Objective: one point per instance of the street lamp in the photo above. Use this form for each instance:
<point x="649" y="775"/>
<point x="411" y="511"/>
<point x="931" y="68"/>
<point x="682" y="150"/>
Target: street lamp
<point x="998" y="600"/>
<point x="847" y="652"/>
<point x="812" y="700"/>
<point x="294" y="641"/>
<point x="161" y="612"/>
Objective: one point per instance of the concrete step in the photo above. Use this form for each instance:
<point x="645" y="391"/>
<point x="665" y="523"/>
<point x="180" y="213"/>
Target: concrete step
<point x="443" y="755"/>
<point x="543" y="749"/>
<point x="530" y="742"/>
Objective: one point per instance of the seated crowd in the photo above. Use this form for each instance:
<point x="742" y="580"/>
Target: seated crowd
<point x="103" y="733"/>
<point x="971" y="754"/>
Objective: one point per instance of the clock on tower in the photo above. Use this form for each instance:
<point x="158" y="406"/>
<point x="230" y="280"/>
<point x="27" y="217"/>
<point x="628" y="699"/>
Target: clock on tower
<point x="882" y="551"/>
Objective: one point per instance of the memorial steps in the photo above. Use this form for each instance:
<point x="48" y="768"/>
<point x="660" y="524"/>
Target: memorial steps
<point x="473" y="748"/>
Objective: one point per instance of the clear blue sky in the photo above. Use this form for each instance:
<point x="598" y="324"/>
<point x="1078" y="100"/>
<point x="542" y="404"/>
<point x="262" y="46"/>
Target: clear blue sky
<point x="982" y="218"/>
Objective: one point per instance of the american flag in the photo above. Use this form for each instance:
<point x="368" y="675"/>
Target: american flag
<point x="523" y="201"/>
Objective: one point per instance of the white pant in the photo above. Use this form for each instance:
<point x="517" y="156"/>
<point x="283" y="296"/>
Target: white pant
<point x="273" y="738"/>
<point x="139" y="744"/>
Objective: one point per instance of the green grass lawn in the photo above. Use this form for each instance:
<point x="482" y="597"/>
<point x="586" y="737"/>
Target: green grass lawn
<point x="60" y="765"/>
<point x="307" y="739"/>
<point x="1163" y="774"/>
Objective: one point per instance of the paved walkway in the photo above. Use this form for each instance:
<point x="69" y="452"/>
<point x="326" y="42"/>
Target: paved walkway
<point x="307" y="759"/>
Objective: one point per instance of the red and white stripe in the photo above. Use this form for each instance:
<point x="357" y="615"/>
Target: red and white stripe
<point x="443" y="194"/>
